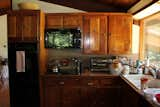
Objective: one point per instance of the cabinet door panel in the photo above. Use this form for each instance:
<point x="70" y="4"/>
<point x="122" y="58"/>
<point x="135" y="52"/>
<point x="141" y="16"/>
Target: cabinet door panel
<point x="71" y="97"/>
<point x="30" y="26"/>
<point x="23" y="25"/>
<point x="54" y="21"/>
<point x="108" y="97"/>
<point x="95" y="34"/>
<point x="52" y="96"/>
<point x="14" y="28"/>
<point x="88" y="96"/>
<point x="120" y="34"/>
<point x="71" y="21"/>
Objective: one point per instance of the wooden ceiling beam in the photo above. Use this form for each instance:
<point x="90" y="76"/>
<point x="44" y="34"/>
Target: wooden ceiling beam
<point x="149" y="4"/>
<point x="87" y="5"/>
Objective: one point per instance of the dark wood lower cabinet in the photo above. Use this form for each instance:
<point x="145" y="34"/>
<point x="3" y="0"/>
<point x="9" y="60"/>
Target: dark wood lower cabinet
<point x="70" y="97"/>
<point x="90" y="92"/>
<point x="131" y="98"/>
<point x="88" y="96"/>
<point x="80" y="91"/>
<point x="52" y="96"/>
<point x="108" y="97"/>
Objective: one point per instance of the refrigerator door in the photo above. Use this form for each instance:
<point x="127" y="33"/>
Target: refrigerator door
<point x="23" y="66"/>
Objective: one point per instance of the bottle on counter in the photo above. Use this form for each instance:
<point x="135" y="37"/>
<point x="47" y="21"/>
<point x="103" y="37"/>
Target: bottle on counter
<point x="147" y="61"/>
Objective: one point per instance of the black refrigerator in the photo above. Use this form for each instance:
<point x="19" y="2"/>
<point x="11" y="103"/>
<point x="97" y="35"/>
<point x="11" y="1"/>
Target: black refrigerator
<point x="23" y="74"/>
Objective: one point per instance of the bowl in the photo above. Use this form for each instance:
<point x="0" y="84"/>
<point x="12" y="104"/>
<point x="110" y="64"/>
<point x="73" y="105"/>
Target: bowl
<point x="28" y="6"/>
<point x="158" y="97"/>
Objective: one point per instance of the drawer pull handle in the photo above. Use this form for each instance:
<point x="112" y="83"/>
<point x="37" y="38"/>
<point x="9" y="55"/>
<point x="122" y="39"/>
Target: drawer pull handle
<point x="90" y="84"/>
<point x="61" y="83"/>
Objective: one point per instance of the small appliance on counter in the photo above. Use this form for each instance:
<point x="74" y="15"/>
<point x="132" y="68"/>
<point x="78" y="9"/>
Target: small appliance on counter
<point x="100" y="64"/>
<point x="70" y="66"/>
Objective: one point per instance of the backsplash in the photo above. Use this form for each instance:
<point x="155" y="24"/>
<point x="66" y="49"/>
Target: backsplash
<point x="70" y="53"/>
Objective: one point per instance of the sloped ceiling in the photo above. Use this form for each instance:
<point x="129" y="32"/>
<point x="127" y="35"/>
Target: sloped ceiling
<point x="99" y="5"/>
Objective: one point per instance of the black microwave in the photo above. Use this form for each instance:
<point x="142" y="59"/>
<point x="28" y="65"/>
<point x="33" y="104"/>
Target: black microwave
<point x="62" y="38"/>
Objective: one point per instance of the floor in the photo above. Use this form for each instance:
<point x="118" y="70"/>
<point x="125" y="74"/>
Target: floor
<point x="4" y="93"/>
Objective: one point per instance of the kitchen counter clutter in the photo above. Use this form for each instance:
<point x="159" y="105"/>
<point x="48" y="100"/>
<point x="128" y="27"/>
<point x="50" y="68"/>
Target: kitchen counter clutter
<point x="134" y="80"/>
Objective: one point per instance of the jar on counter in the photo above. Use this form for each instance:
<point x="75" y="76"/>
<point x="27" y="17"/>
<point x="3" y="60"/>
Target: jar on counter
<point x="144" y="83"/>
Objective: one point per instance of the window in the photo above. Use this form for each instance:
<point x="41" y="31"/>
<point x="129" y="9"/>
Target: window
<point x="151" y="28"/>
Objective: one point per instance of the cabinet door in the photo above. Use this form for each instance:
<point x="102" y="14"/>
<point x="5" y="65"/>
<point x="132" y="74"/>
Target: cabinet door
<point x="70" y="92"/>
<point x="108" y="96"/>
<point x="120" y="34"/>
<point x="89" y="92"/>
<point x="88" y="97"/>
<point x="30" y="25"/>
<point x="71" y="97"/>
<point x="52" y="92"/>
<point x="95" y="34"/>
<point x="129" y="97"/>
<point x="52" y="96"/>
<point x="5" y="4"/>
<point x="54" y="21"/>
<point x="72" y="21"/>
<point x="14" y="27"/>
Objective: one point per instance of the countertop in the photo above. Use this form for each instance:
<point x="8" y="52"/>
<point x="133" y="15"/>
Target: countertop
<point x="134" y="81"/>
<point x="83" y="74"/>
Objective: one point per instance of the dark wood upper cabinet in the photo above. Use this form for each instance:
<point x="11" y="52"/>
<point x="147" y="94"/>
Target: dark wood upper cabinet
<point x="107" y="34"/>
<point x="23" y="25"/>
<point x="54" y="21"/>
<point x="63" y="20"/>
<point x="120" y="34"/>
<point x="30" y="25"/>
<point x="95" y="34"/>
<point x="13" y="26"/>
<point x="72" y="21"/>
<point x="5" y="6"/>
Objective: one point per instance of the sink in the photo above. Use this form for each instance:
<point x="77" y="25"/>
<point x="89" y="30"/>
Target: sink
<point x="154" y="83"/>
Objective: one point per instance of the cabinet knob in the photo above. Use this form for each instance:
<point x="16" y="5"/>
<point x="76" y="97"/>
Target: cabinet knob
<point x="90" y="84"/>
<point x="61" y="83"/>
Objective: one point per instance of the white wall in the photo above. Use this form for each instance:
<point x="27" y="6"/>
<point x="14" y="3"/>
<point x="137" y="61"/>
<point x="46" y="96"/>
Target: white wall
<point x="46" y="7"/>
<point x="3" y="36"/>
<point x="135" y="39"/>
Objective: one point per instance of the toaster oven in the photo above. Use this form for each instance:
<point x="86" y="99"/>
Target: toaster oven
<point x="100" y="64"/>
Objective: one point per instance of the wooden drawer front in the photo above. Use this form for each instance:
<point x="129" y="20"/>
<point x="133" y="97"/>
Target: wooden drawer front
<point x="109" y="82"/>
<point x="90" y="82"/>
<point x="69" y="82"/>
<point x="51" y="82"/>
